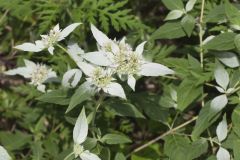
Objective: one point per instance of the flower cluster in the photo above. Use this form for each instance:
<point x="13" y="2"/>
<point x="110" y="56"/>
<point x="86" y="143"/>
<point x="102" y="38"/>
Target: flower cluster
<point x="102" y="67"/>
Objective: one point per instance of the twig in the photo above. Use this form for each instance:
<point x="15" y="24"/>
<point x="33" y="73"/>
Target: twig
<point x="161" y="136"/>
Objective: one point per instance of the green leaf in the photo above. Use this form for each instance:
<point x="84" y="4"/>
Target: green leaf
<point x="237" y="42"/>
<point x="115" y="139"/>
<point x="169" y="30"/>
<point x="236" y="120"/>
<point x="187" y="92"/>
<point x="229" y="59"/>
<point x="222" y="42"/>
<point x="205" y="118"/>
<point x="236" y="146"/>
<point x="120" y="156"/>
<point x="83" y="93"/>
<point x="60" y="97"/>
<point x="174" y="14"/>
<point x="123" y="109"/>
<point x="217" y="14"/>
<point x="190" y="4"/>
<point x="105" y="154"/>
<point x="188" y="24"/>
<point x="14" y="141"/>
<point x="178" y="147"/>
<point x="37" y="150"/>
<point x="173" y="4"/>
<point x="232" y="13"/>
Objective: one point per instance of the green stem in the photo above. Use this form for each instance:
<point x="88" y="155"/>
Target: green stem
<point x="69" y="155"/>
<point x="98" y="104"/>
<point x="162" y="136"/>
<point x="201" y="32"/>
<point x="62" y="48"/>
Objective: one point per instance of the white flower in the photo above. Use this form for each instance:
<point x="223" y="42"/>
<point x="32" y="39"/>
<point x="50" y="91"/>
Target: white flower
<point x="71" y="78"/>
<point x="80" y="133"/>
<point x="38" y="73"/>
<point x="55" y="35"/>
<point x="125" y="61"/>
<point x="102" y="79"/>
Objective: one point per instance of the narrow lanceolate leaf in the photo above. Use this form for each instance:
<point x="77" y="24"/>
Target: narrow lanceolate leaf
<point x="175" y="14"/>
<point x="218" y="103"/>
<point x="221" y="77"/>
<point x="115" y="139"/>
<point x="84" y="92"/>
<point x="188" y="24"/>
<point x="4" y="154"/>
<point x="222" y="42"/>
<point x="169" y="30"/>
<point x="237" y="41"/>
<point x="222" y="130"/>
<point x="223" y="154"/>
<point x="229" y="59"/>
<point x="190" y="4"/>
<point x="173" y="4"/>
<point x="80" y="130"/>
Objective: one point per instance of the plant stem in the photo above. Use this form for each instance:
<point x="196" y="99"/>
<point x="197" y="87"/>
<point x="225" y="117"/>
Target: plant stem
<point x="201" y="32"/>
<point x="98" y="104"/>
<point x="162" y="136"/>
<point x="61" y="47"/>
<point x="69" y="155"/>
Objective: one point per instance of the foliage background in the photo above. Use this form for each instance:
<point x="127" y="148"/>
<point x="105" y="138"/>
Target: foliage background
<point x="38" y="128"/>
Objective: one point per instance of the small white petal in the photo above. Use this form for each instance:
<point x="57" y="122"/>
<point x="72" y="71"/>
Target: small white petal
<point x="41" y="88"/>
<point x="51" y="74"/>
<point x="222" y="130"/>
<point x="140" y="47"/>
<point x="131" y="82"/>
<point x="66" y="31"/>
<point x="218" y="103"/>
<point x="23" y="71"/>
<point x="50" y="50"/>
<point x="74" y="75"/>
<point x="221" y="76"/>
<point x="86" y="155"/>
<point x="30" y="47"/>
<point x="115" y="89"/>
<point x="4" y="154"/>
<point x="223" y="154"/>
<point x="75" y="53"/>
<point x="100" y="37"/>
<point x="155" y="69"/>
<point x="99" y="58"/>
<point x="80" y="130"/>
<point x="56" y="28"/>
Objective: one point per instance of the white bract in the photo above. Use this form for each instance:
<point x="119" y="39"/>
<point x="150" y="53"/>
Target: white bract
<point x="122" y="59"/>
<point x="37" y="73"/>
<point x="222" y="130"/>
<point x="55" y="35"/>
<point x="71" y="78"/>
<point x="223" y="154"/>
<point x="222" y="79"/>
<point x="80" y="133"/>
<point x="4" y="154"/>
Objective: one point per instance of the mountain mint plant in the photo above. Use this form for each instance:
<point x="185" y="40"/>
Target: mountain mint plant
<point x="166" y="93"/>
